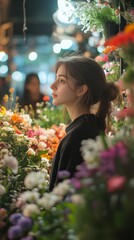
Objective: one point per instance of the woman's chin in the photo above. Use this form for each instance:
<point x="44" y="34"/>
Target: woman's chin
<point x="55" y="103"/>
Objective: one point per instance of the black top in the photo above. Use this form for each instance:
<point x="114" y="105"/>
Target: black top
<point x="68" y="154"/>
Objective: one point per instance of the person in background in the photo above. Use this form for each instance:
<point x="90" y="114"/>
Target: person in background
<point x="80" y="84"/>
<point x="4" y="89"/>
<point x="31" y="95"/>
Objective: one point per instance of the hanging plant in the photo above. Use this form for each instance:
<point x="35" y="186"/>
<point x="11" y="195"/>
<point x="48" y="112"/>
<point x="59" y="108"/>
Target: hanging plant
<point x="96" y="16"/>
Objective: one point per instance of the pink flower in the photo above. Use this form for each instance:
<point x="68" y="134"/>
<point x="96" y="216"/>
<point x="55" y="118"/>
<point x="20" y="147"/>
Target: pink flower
<point x="30" y="133"/>
<point x="116" y="182"/>
<point x="127" y="112"/>
<point x="131" y="12"/>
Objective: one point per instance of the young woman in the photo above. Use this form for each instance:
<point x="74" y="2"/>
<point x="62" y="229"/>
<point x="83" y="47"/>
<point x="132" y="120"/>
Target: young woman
<point x="80" y="85"/>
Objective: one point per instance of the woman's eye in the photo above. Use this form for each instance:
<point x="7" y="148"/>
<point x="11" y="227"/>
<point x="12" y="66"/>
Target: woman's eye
<point x="62" y="81"/>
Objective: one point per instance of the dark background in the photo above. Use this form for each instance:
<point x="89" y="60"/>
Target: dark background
<point x="38" y="13"/>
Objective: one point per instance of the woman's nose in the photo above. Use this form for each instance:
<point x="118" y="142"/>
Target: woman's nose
<point x="53" y="85"/>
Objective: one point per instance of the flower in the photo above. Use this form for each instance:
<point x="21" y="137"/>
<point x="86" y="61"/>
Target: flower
<point x="14" y="232"/>
<point x="115" y="183"/>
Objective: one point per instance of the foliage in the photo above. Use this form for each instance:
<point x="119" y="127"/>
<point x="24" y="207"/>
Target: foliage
<point x="48" y="115"/>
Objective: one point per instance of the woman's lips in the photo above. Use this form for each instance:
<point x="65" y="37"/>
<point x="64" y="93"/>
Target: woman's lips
<point x="54" y="95"/>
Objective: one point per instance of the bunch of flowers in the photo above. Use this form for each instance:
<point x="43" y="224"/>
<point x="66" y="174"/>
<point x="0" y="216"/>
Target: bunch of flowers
<point x="95" y="15"/>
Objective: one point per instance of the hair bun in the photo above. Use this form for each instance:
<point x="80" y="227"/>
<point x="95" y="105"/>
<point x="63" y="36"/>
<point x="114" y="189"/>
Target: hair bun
<point x="111" y="91"/>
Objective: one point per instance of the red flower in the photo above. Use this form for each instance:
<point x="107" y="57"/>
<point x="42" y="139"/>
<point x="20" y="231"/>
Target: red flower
<point x="46" y="98"/>
<point x="121" y="39"/>
<point x="115" y="183"/>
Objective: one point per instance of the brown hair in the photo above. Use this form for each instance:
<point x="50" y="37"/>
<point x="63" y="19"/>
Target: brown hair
<point x="87" y="71"/>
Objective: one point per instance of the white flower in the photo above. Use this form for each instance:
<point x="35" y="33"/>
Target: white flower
<point x="90" y="150"/>
<point x="30" y="209"/>
<point x="62" y="188"/>
<point x="8" y="129"/>
<point x="2" y="190"/>
<point x="78" y="199"/>
<point x="48" y="200"/>
<point x="35" y="179"/>
<point x="41" y="146"/>
<point x="33" y="141"/>
<point x="27" y="118"/>
<point x="11" y="162"/>
<point x="30" y="152"/>
<point x="30" y="196"/>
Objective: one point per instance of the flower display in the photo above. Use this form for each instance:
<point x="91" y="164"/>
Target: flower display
<point x="26" y="152"/>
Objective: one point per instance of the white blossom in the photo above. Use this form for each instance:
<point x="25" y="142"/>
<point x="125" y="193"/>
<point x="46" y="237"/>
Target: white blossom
<point x="2" y="190"/>
<point x="11" y="162"/>
<point x="48" y="200"/>
<point x="30" y="209"/>
<point x="30" y="152"/>
<point x="35" y="179"/>
<point x="62" y="188"/>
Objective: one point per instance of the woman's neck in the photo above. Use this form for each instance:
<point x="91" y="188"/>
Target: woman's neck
<point x="77" y="112"/>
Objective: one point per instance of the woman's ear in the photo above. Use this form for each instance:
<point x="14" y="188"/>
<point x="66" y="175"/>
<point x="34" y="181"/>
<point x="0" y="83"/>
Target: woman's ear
<point x="82" y="90"/>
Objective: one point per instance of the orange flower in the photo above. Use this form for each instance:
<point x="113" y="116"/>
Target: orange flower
<point x="109" y="49"/>
<point x="17" y="130"/>
<point x="46" y="98"/>
<point x="16" y="118"/>
<point x="45" y="155"/>
<point x="129" y="28"/>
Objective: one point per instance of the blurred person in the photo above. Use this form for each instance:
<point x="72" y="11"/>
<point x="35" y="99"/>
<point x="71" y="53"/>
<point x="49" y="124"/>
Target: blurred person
<point x="4" y="89"/>
<point x="31" y="94"/>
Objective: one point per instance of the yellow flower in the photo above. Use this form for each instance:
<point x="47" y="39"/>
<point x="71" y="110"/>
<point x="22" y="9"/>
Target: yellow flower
<point x="11" y="90"/>
<point x="5" y="98"/>
<point x="129" y="28"/>
<point x="2" y="110"/>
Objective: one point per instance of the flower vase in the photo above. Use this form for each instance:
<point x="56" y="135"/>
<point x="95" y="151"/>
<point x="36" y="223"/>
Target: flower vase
<point x="110" y="29"/>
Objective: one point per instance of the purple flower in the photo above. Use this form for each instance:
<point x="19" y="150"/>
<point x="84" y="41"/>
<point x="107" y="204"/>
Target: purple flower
<point x="27" y="238"/>
<point x="63" y="174"/>
<point x="14" y="232"/>
<point x="25" y="223"/>
<point x="76" y="183"/>
<point x="15" y="217"/>
<point x="108" y="161"/>
<point x="121" y="151"/>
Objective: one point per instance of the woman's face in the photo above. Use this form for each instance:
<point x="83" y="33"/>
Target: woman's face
<point x="64" y="89"/>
